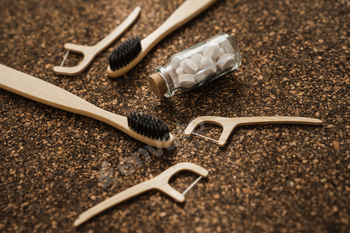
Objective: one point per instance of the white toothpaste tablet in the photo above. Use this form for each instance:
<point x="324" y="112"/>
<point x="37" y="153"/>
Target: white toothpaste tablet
<point x="179" y="71"/>
<point x="216" y="52"/>
<point x="186" y="80"/>
<point x="209" y="65"/>
<point x="208" y="51"/>
<point x="197" y="58"/>
<point x="226" y="46"/>
<point x="212" y="51"/>
<point x="226" y="61"/>
<point x="175" y="61"/>
<point x="222" y="52"/>
<point x="189" y="66"/>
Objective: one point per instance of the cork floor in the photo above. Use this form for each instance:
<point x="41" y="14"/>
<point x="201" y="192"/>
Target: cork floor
<point x="54" y="165"/>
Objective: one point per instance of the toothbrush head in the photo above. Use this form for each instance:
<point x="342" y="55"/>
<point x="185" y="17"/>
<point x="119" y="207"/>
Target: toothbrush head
<point x="148" y="125"/>
<point x="125" y="53"/>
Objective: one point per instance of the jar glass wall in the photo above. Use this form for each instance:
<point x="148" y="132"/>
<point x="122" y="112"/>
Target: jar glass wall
<point x="197" y="65"/>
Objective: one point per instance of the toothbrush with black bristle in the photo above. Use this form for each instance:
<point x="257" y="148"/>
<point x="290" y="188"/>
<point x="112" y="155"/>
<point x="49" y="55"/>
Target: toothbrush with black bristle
<point x="133" y="50"/>
<point x="143" y="127"/>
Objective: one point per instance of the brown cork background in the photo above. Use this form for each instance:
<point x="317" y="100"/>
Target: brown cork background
<point x="54" y="165"/>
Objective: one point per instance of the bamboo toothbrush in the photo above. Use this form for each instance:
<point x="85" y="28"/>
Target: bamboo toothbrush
<point x="132" y="51"/>
<point x="143" y="127"/>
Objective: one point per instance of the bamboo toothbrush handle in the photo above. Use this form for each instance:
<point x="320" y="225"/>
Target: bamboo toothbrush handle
<point x="47" y="93"/>
<point x="116" y="199"/>
<point x="184" y="13"/>
<point x="41" y="91"/>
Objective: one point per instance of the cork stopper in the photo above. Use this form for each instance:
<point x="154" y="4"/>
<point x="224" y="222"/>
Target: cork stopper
<point x="158" y="85"/>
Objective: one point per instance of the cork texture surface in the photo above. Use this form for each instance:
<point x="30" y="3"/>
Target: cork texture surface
<point x="54" y="165"/>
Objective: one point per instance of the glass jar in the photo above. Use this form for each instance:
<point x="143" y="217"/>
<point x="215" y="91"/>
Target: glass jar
<point x="196" y="65"/>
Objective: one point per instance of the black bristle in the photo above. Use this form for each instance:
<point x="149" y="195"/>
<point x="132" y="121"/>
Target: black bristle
<point x="129" y="121"/>
<point x="157" y="131"/>
<point x="147" y="129"/>
<point x="148" y="125"/>
<point x="151" y="131"/>
<point x="125" y="53"/>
